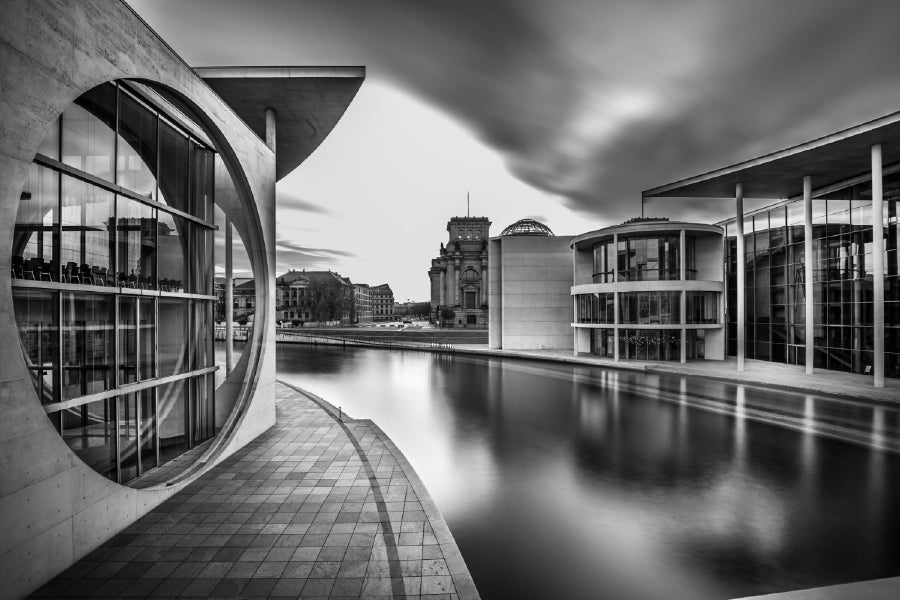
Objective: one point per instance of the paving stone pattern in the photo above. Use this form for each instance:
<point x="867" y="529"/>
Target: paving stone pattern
<point x="313" y="508"/>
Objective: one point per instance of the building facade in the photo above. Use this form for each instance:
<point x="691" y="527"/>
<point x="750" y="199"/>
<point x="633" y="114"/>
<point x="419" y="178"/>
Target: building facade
<point x="308" y="297"/>
<point x="382" y="302"/>
<point x="530" y="281"/>
<point x="458" y="275"/>
<point x="813" y="279"/>
<point x="649" y="289"/>
<point x="362" y="304"/>
<point x="108" y="188"/>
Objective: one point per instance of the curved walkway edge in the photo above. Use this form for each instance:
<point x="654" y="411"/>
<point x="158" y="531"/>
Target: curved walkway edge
<point x="318" y="506"/>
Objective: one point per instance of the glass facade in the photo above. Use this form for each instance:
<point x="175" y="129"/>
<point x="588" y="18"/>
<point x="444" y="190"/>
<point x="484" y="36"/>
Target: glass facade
<point x="775" y="287"/>
<point x="112" y="266"/>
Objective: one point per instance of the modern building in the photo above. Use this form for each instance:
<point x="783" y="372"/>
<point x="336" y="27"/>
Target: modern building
<point x="459" y="274"/>
<point x="649" y="289"/>
<point x="116" y="157"/>
<point x="530" y="281"/>
<point x="813" y="279"/>
<point x="382" y="301"/>
<point x="362" y="304"/>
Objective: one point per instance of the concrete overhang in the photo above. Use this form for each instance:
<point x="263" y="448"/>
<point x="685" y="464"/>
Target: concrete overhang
<point x="830" y="161"/>
<point x="308" y="102"/>
<point x="586" y="241"/>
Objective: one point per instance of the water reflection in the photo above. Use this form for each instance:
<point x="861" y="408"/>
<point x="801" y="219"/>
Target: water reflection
<point x="569" y="482"/>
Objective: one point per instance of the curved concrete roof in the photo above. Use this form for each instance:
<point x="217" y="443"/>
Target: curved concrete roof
<point x="586" y="240"/>
<point x="308" y="102"/>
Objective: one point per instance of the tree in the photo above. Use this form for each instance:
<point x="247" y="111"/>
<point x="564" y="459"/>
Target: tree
<point x="447" y="314"/>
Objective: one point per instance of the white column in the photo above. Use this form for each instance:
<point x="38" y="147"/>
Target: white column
<point x="808" y="274"/>
<point x="229" y="298"/>
<point x="741" y="274"/>
<point x="682" y="267"/>
<point x="878" y="266"/>
<point x="270" y="129"/>
<point x="615" y="250"/>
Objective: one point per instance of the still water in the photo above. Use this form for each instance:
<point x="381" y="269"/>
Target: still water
<point x="562" y="481"/>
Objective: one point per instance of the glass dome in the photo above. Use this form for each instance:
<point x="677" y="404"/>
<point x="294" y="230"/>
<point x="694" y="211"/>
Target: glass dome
<point x="527" y="227"/>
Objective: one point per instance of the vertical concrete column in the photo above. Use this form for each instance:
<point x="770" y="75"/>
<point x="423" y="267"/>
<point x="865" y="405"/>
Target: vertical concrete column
<point x="878" y="266"/>
<point x="229" y="298"/>
<point x="682" y="268"/>
<point x="615" y="258"/>
<point x="808" y="274"/>
<point x="443" y="290"/>
<point x="741" y="274"/>
<point x="270" y="129"/>
<point x="485" y="282"/>
<point x="451" y="277"/>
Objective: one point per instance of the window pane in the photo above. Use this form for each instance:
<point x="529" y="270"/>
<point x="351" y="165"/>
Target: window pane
<point x="202" y="261"/>
<point x="36" y="319"/>
<point x="128" y="447"/>
<point x="202" y="413"/>
<point x="86" y="248"/>
<point x="127" y="339"/>
<point x="174" y="160"/>
<point x="172" y="419"/>
<point x="136" y="164"/>
<point x="89" y="132"/>
<point x="136" y="244"/>
<point x="36" y="222"/>
<point x="148" y="429"/>
<point x="147" y="338"/>
<point x="89" y="431"/>
<point x="172" y="336"/>
<point x="172" y="242"/>
<point x="87" y="344"/>
<point x="203" y="183"/>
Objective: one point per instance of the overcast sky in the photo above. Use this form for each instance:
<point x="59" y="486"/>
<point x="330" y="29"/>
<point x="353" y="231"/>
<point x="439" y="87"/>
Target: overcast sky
<point x="561" y="111"/>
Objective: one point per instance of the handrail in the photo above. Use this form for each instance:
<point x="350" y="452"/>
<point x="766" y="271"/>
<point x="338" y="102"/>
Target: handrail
<point x="335" y="340"/>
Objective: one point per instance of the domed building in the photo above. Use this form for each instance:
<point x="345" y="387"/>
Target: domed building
<point x="527" y="227"/>
<point x="530" y="277"/>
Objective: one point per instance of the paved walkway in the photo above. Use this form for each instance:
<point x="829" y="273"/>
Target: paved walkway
<point x="758" y="372"/>
<point x="313" y="508"/>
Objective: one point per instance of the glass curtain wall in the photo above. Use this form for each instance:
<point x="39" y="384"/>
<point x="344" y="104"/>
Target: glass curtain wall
<point x="775" y="291"/>
<point x="112" y="266"/>
<point x="652" y="258"/>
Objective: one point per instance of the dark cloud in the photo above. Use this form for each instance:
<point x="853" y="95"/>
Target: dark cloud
<point x="289" y="202"/>
<point x="289" y="247"/>
<point x="594" y="100"/>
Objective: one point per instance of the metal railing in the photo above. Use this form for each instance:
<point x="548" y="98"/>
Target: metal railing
<point x="288" y="335"/>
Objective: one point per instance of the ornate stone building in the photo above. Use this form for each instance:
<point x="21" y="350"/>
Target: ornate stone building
<point x="459" y="275"/>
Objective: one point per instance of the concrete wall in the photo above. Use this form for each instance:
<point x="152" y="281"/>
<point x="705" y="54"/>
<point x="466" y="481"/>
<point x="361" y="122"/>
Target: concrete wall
<point x="53" y="508"/>
<point x="531" y="281"/>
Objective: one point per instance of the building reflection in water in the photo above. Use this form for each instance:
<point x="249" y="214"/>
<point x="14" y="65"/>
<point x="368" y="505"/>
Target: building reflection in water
<point x="558" y="481"/>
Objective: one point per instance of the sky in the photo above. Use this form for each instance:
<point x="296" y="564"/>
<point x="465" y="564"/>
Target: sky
<point x="559" y="111"/>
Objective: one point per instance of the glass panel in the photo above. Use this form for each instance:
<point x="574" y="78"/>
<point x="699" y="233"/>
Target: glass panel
<point x="203" y="163"/>
<point x="136" y="163"/>
<point x="36" y="320"/>
<point x="172" y="336"/>
<point x="128" y="430"/>
<point x="202" y="414"/>
<point x="147" y="338"/>
<point x="174" y="160"/>
<point x="36" y="226"/>
<point x="87" y="344"/>
<point x="148" y="429"/>
<point x="88" y="142"/>
<point x="172" y="419"/>
<point x="128" y="365"/>
<point x="172" y="252"/>
<point x="201" y="346"/>
<point x="136" y="244"/>
<point x="89" y="431"/>
<point x="87" y="240"/>
<point x="202" y="262"/>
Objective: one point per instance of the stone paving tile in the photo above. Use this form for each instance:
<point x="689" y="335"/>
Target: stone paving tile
<point x="313" y="508"/>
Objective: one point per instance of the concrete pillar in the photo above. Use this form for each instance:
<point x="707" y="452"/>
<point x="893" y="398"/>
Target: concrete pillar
<point x="682" y="268"/>
<point x="616" y="262"/>
<point x="270" y="129"/>
<point x="451" y="278"/>
<point x="878" y="266"/>
<point x="456" y="299"/>
<point x="741" y="275"/>
<point x="229" y="298"/>
<point x="485" y="290"/>
<point x="443" y="301"/>
<point x="808" y="274"/>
